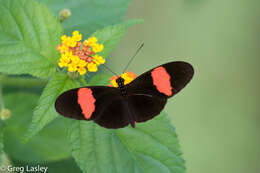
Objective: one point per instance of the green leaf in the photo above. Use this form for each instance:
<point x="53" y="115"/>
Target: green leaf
<point x="45" y="112"/>
<point x="29" y="35"/>
<point x="151" y="147"/>
<point x="111" y="35"/>
<point x="88" y="16"/>
<point x="49" y="145"/>
<point x="100" y="79"/>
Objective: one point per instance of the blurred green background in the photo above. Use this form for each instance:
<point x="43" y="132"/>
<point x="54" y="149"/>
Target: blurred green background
<point x="217" y="114"/>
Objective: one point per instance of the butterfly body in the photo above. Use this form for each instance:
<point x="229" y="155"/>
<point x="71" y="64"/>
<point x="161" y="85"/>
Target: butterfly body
<point x="121" y="86"/>
<point x="139" y="101"/>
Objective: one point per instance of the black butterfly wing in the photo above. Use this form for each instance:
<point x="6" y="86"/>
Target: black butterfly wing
<point x="179" y="73"/>
<point x="102" y="104"/>
<point x="146" y="106"/>
<point x="149" y="92"/>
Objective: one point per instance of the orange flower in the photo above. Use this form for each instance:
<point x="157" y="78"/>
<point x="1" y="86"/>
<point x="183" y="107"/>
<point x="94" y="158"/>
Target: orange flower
<point x="127" y="76"/>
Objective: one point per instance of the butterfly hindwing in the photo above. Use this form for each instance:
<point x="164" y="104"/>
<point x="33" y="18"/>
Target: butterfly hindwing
<point x="167" y="79"/>
<point x="102" y="104"/>
<point x="114" y="114"/>
<point x="146" y="106"/>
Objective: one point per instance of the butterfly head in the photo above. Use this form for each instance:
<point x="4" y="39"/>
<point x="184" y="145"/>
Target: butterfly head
<point x="120" y="81"/>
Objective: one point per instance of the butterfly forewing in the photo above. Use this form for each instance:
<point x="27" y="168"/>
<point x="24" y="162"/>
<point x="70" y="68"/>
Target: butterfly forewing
<point x="67" y="105"/>
<point x="179" y="74"/>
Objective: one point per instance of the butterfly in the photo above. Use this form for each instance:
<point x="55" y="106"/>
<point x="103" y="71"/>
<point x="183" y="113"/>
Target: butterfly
<point x="139" y="101"/>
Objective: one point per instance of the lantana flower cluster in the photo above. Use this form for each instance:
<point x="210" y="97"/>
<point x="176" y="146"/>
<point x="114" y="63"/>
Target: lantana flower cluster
<point x="127" y="76"/>
<point x="80" y="56"/>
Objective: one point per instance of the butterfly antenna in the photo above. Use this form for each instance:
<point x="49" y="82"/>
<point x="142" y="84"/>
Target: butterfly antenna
<point x="140" y="47"/>
<point x="107" y="67"/>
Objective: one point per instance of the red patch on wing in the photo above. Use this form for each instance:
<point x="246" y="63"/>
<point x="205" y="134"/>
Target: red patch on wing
<point x="162" y="80"/>
<point x="86" y="101"/>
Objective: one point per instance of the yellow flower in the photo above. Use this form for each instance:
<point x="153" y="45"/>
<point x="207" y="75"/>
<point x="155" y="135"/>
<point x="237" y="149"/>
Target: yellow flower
<point x="67" y="54"/>
<point x="82" y="63"/>
<point x="72" y="67"/>
<point x="76" y="36"/>
<point x="76" y="32"/>
<point x="64" y="62"/>
<point x="82" y="70"/>
<point x="97" y="48"/>
<point x="92" y="67"/>
<point x="85" y="42"/>
<point x="71" y="42"/>
<point x="63" y="49"/>
<point x="61" y="64"/>
<point x="63" y="38"/>
<point x="91" y="41"/>
<point x="75" y="59"/>
<point x="98" y="59"/>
